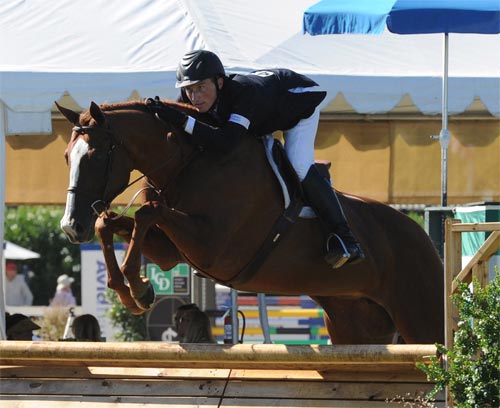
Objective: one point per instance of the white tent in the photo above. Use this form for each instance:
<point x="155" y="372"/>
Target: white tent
<point x="16" y="252"/>
<point x="104" y="50"/>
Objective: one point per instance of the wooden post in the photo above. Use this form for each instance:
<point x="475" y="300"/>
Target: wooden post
<point x="453" y="266"/>
<point x="478" y="266"/>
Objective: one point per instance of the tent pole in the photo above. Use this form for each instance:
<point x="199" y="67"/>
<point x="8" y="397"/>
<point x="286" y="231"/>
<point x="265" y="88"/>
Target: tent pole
<point x="3" y="132"/>
<point x="444" y="135"/>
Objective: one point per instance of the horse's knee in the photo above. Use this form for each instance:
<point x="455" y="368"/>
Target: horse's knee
<point x="104" y="228"/>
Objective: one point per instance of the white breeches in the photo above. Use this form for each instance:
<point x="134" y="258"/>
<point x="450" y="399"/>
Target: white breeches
<point x="299" y="144"/>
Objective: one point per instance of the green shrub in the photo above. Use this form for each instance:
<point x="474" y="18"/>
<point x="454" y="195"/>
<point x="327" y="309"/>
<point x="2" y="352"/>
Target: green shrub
<point x="132" y="328"/>
<point x="473" y="374"/>
<point x="37" y="228"/>
<point x="53" y="323"/>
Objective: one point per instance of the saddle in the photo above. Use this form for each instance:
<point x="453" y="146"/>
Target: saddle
<point x="286" y="174"/>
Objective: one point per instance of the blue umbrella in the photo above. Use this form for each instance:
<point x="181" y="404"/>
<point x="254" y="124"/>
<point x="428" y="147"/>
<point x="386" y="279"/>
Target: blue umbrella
<point x="408" y="17"/>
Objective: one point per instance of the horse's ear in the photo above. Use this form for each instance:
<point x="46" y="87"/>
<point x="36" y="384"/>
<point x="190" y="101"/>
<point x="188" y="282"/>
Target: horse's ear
<point x="96" y="113"/>
<point x="73" y="117"/>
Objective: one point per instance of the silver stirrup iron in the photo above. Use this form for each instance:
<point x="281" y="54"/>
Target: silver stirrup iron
<point x="346" y="254"/>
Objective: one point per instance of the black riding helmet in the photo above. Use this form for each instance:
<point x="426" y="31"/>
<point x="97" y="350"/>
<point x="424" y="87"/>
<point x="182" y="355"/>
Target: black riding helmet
<point x="196" y="66"/>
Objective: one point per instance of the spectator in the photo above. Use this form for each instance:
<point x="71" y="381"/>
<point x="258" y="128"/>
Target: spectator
<point x="86" y="328"/>
<point x="180" y="312"/>
<point x="19" y="327"/>
<point x="64" y="295"/>
<point x="17" y="291"/>
<point x="193" y="325"/>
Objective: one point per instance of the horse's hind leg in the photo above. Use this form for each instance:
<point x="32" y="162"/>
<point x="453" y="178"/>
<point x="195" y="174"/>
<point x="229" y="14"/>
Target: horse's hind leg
<point x="105" y="229"/>
<point x="356" y="321"/>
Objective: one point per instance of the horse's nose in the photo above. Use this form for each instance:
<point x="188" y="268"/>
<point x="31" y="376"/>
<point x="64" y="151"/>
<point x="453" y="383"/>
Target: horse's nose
<point x="73" y="230"/>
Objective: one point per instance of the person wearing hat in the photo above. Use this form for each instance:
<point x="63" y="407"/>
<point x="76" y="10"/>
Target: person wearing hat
<point x="17" y="291"/>
<point x="64" y="295"/>
<point x="19" y="327"/>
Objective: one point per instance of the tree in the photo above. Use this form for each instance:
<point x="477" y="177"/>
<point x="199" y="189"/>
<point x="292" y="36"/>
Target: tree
<point x="37" y="228"/>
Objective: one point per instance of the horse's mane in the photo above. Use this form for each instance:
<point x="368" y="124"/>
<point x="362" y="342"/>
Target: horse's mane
<point x="140" y="106"/>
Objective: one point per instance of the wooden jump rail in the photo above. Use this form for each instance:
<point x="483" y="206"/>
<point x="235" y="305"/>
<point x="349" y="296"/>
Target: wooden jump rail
<point x="88" y="375"/>
<point x="275" y="356"/>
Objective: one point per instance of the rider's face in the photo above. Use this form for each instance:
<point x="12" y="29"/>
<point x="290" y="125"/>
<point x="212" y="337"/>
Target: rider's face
<point x="203" y="94"/>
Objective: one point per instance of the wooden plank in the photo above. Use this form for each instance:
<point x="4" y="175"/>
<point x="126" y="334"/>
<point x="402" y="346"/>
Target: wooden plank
<point x="109" y="372"/>
<point x="452" y="266"/>
<point x="266" y="403"/>
<point x="186" y="402"/>
<point x="244" y="356"/>
<point x="328" y="390"/>
<point x="482" y="273"/>
<point x="112" y="387"/>
<point x="236" y="388"/>
<point x="368" y="372"/>
<point x="483" y="254"/>
<point x="475" y="227"/>
<point x="49" y="401"/>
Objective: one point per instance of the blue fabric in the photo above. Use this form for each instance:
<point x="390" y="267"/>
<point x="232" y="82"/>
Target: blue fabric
<point x="347" y="16"/>
<point x="445" y="16"/>
<point x="403" y="16"/>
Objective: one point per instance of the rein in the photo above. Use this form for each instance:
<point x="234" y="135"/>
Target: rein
<point x="106" y="204"/>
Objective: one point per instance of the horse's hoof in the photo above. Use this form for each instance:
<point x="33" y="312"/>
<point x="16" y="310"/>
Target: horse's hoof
<point x="131" y="307"/>
<point x="147" y="300"/>
<point x="136" y="310"/>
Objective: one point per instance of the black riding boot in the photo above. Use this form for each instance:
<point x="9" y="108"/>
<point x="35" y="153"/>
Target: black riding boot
<point x="341" y="245"/>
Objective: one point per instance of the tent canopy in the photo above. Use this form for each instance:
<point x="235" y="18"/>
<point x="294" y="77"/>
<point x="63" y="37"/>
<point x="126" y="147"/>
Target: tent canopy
<point x="15" y="252"/>
<point x="105" y="51"/>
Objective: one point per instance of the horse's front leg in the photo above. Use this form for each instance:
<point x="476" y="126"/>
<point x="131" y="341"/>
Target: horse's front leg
<point x="105" y="229"/>
<point x="141" y="289"/>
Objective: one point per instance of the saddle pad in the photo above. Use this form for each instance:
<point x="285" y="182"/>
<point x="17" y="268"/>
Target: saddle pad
<point x="269" y="140"/>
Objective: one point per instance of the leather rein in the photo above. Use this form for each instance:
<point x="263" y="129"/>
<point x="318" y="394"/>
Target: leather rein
<point x="101" y="206"/>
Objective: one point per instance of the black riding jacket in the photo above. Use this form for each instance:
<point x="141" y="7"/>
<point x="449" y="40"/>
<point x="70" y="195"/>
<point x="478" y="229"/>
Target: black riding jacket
<point x="258" y="103"/>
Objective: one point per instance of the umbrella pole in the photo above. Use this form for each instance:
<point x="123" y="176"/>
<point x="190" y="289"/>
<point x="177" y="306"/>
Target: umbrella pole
<point x="444" y="135"/>
<point x="444" y="140"/>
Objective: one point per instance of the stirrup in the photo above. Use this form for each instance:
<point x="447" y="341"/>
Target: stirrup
<point x="338" y="255"/>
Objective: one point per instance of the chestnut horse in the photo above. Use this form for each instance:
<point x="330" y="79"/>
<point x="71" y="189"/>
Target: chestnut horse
<point x="214" y="210"/>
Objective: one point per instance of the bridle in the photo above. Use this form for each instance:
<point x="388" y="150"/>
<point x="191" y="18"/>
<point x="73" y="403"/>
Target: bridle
<point x="102" y="203"/>
<point x="100" y="207"/>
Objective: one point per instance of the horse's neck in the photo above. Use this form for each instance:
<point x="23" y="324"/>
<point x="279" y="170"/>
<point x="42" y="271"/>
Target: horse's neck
<point x="152" y="149"/>
<point x="242" y="175"/>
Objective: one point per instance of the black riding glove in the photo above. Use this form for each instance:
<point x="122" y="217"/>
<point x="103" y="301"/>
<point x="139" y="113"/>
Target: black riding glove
<point x="166" y="112"/>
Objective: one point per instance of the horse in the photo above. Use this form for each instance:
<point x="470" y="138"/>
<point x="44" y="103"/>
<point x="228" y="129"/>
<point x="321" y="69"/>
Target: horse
<point x="214" y="210"/>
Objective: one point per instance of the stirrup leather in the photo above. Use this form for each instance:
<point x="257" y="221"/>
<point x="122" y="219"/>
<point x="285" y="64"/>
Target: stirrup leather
<point x="336" y="252"/>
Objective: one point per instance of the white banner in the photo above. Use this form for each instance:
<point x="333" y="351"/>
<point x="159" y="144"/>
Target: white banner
<point x="94" y="285"/>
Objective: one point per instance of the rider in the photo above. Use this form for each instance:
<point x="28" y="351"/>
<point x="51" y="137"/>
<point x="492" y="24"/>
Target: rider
<point x="260" y="103"/>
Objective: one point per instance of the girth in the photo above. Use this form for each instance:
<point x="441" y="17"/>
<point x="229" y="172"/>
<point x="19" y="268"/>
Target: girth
<point x="282" y="224"/>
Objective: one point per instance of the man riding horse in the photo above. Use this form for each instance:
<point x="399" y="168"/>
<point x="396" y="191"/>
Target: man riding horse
<point x="258" y="104"/>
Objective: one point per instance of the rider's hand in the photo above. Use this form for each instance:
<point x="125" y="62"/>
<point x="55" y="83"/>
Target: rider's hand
<point x="166" y="112"/>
